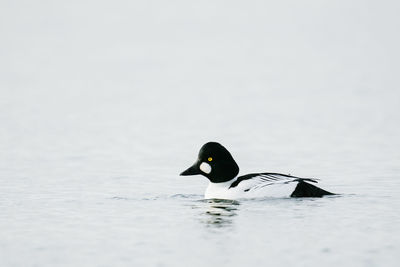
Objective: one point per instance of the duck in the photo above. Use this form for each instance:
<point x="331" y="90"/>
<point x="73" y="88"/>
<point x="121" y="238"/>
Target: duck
<point x="216" y="163"/>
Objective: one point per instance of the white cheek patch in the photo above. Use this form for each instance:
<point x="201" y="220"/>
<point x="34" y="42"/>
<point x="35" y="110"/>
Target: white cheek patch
<point x="205" y="167"/>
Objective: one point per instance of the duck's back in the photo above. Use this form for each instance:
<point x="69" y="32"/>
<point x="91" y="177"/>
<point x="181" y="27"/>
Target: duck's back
<point x="258" y="185"/>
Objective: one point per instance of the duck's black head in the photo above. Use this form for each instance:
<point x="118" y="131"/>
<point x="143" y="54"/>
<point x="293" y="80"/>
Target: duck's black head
<point x="214" y="162"/>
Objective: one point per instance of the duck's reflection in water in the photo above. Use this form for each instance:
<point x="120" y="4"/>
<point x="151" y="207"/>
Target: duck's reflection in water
<point x="218" y="212"/>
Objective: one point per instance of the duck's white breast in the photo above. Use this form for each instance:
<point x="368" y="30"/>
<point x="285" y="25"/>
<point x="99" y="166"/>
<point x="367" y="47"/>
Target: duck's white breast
<point x="218" y="190"/>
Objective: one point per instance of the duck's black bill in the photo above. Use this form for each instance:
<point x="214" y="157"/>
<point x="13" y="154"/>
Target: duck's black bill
<point x="191" y="171"/>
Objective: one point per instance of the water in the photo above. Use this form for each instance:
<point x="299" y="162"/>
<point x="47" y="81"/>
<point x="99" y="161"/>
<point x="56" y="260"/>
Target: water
<point x="103" y="105"/>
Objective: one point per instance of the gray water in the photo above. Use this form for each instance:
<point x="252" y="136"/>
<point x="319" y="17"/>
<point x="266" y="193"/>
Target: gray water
<point x="103" y="104"/>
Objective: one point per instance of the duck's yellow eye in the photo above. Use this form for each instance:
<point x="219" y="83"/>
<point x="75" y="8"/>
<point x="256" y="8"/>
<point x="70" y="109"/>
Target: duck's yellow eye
<point x="210" y="159"/>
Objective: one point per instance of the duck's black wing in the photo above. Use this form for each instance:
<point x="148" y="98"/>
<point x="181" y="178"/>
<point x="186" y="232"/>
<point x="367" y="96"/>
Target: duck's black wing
<point x="302" y="189"/>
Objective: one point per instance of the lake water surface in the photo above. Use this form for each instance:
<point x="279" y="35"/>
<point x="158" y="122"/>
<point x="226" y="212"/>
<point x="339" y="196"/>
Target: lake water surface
<point x="103" y="105"/>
